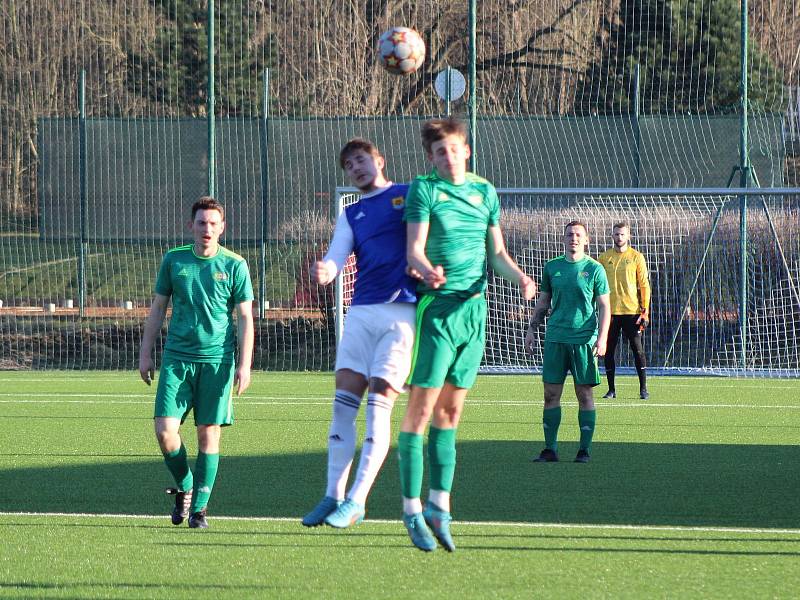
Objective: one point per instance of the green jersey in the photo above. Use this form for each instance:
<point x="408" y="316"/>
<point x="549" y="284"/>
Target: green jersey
<point x="459" y="217"/>
<point x="573" y="288"/>
<point x="204" y="293"/>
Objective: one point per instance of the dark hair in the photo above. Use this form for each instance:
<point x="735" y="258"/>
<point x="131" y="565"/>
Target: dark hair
<point x="620" y="225"/>
<point x="576" y="224"/>
<point x="437" y="129"/>
<point x="207" y="203"/>
<point x="355" y="145"/>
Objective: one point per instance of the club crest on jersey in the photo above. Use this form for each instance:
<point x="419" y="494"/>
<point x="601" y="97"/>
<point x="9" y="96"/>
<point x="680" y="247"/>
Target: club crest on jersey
<point x="475" y="200"/>
<point x="220" y="276"/>
<point x="584" y="274"/>
<point x="398" y="202"/>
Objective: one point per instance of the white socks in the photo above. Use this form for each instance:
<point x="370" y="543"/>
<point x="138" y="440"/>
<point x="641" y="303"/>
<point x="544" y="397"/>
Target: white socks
<point x="412" y="506"/>
<point x="375" y="448"/>
<point x="440" y="498"/>
<point x="341" y="442"/>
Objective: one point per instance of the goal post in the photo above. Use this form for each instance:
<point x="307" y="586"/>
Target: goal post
<point x="690" y="238"/>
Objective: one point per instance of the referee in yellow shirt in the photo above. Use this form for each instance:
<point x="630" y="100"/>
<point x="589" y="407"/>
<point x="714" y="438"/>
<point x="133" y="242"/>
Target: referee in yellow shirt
<point x="630" y="304"/>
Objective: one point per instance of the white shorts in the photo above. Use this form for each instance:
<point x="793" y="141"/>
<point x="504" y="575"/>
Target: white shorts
<point x="378" y="341"/>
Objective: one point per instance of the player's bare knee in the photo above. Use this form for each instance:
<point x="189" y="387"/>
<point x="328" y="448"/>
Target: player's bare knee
<point x="208" y="438"/>
<point x="447" y="417"/>
<point x="417" y="417"/>
<point x="585" y="397"/>
<point x="552" y="396"/>
<point x="168" y="440"/>
<point x="350" y="381"/>
<point x="382" y="387"/>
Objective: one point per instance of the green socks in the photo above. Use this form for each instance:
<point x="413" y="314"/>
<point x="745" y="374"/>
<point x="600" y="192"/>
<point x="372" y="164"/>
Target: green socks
<point x="551" y="419"/>
<point x="586" y="421"/>
<point x="205" y="473"/>
<point x="178" y="465"/>
<point x="409" y="452"/>
<point x="442" y="456"/>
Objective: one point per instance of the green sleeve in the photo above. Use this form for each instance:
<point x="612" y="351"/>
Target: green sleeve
<point x="545" y="287"/>
<point x="600" y="282"/>
<point x="418" y="204"/>
<point x="163" y="280"/>
<point x="242" y="285"/>
<point x="494" y="206"/>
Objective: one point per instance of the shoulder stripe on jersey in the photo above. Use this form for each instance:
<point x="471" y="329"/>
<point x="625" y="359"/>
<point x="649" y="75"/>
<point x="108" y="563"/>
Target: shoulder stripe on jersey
<point x="473" y="178"/>
<point x="177" y="248"/>
<point x="230" y="253"/>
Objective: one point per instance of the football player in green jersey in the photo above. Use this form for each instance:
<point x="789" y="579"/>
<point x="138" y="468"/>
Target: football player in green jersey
<point x="453" y="223"/>
<point x="207" y="284"/>
<point x="575" y="289"/>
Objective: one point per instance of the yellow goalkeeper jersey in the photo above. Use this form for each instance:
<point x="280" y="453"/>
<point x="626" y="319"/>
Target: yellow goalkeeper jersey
<point x="628" y="280"/>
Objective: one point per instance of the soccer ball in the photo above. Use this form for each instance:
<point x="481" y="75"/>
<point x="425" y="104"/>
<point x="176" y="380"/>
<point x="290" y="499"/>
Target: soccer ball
<point x="401" y="50"/>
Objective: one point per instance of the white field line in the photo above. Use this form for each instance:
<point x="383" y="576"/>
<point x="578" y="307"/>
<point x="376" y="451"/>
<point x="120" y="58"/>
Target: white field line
<point x="315" y="401"/>
<point x="664" y="382"/>
<point x="519" y="525"/>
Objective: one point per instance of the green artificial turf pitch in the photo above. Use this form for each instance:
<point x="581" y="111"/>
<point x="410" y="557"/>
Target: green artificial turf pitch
<point x="693" y="493"/>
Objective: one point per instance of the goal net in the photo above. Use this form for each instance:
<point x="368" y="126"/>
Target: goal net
<point x="692" y="246"/>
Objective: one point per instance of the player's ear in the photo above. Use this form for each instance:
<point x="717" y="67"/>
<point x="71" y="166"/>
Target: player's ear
<point x="467" y="151"/>
<point x="380" y="163"/>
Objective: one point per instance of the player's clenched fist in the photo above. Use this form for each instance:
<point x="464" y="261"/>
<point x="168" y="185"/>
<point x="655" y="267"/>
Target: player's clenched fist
<point x="321" y="274"/>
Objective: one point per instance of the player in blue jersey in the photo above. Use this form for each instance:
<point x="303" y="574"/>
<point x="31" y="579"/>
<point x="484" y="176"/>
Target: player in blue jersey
<point x="374" y="354"/>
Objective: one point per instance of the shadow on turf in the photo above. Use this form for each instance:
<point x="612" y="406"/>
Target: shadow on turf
<point x="631" y="484"/>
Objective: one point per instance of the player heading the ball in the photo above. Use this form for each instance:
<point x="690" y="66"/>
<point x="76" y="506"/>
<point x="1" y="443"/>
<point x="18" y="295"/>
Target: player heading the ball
<point x="453" y="220"/>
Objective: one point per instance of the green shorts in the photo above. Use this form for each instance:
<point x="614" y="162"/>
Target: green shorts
<point x="205" y="387"/>
<point x="451" y="335"/>
<point x="578" y="359"/>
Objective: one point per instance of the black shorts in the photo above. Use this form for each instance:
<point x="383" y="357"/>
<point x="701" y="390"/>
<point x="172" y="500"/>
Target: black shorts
<point x="626" y="324"/>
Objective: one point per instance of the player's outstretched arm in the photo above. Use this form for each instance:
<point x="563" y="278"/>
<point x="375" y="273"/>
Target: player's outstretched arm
<point x="246" y="334"/>
<point x="417" y="235"/>
<point x="603" y="323"/>
<point x="504" y="265"/>
<point x="155" y="318"/>
<point x="324" y="271"/>
<point x="539" y="312"/>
